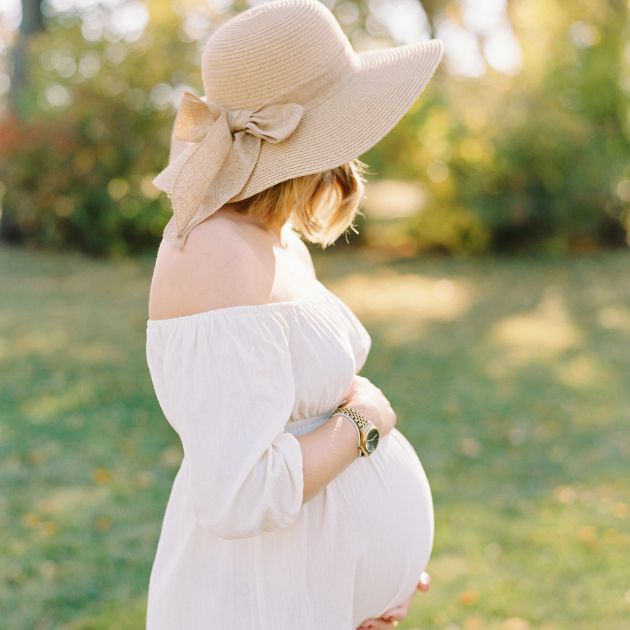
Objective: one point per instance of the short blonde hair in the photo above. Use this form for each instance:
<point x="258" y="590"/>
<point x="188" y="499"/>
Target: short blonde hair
<point x="321" y="206"/>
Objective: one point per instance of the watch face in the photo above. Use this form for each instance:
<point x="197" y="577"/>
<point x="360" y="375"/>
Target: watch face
<point x="371" y="440"/>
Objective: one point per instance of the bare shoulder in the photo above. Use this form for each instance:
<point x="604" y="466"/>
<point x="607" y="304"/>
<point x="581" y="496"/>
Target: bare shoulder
<point x="221" y="265"/>
<point x="300" y="248"/>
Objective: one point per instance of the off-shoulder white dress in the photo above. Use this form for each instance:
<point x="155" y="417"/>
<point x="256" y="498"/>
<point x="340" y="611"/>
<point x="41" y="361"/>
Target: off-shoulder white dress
<point x="237" y="549"/>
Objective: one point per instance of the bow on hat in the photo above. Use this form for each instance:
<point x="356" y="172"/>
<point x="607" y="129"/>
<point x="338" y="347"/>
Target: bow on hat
<point x="222" y="150"/>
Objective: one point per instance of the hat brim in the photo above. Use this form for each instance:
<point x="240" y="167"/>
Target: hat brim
<point x="345" y="126"/>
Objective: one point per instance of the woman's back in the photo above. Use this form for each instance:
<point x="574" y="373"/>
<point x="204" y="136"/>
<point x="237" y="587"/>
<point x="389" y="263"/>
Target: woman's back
<point x="229" y="260"/>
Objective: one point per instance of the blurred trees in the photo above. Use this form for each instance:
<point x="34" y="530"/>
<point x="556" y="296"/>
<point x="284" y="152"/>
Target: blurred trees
<point x="77" y="165"/>
<point x="32" y="22"/>
<point x="540" y="158"/>
<point x="531" y="158"/>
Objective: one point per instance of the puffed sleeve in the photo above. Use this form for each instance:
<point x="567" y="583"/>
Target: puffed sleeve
<point x="228" y="390"/>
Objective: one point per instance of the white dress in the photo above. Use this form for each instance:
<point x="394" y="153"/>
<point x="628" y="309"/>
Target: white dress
<point x="237" y="549"/>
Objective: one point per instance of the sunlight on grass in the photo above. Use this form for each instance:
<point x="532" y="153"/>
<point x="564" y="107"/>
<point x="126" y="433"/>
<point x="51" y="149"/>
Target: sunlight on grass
<point x="410" y="302"/>
<point x="97" y="353"/>
<point x="43" y="407"/>
<point x="40" y="342"/>
<point x="541" y="334"/>
<point x="510" y="378"/>
<point x="69" y="499"/>
<point x="582" y="371"/>
<point x="615" y="317"/>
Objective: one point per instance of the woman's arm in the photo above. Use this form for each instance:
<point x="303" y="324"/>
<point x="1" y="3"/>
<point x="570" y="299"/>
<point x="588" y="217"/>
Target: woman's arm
<point x="326" y="452"/>
<point x="331" y="448"/>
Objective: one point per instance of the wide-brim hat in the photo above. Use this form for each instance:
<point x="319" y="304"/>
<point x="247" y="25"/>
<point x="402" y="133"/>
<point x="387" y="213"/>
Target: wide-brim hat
<point x="286" y="95"/>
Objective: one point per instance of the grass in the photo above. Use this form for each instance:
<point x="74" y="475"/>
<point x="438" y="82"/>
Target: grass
<point x="510" y="376"/>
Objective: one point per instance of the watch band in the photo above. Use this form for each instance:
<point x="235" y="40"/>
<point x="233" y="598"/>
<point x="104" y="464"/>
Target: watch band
<point x="341" y="413"/>
<point x="360" y="422"/>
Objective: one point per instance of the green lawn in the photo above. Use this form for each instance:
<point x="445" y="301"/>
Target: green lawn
<point x="511" y="378"/>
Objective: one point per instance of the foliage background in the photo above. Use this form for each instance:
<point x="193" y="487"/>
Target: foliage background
<point x="529" y="151"/>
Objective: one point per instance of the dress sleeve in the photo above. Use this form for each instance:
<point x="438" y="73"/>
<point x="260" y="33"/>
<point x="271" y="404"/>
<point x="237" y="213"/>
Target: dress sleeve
<point x="229" y="391"/>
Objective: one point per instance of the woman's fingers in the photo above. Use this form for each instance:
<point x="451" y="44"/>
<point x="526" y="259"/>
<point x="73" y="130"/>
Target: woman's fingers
<point x="391" y="617"/>
<point x="398" y="612"/>
<point x="377" y="624"/>
<point x="425" y="582"/>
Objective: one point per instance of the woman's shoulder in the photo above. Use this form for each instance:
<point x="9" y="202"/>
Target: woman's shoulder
<point x="220" y="266"/>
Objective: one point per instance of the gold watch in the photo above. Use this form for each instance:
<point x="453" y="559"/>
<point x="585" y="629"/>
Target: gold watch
<point x="368" y="431"/>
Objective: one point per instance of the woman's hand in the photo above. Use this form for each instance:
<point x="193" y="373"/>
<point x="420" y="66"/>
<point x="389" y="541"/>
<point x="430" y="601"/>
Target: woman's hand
<point x="391" y="618"/>
<point x="370" y="401"/>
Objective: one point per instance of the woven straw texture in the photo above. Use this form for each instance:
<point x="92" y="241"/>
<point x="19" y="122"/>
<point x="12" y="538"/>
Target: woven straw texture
<point x="286" y="95"/>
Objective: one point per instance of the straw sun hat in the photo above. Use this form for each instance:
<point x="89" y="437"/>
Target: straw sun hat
<point x="286" y="95"/>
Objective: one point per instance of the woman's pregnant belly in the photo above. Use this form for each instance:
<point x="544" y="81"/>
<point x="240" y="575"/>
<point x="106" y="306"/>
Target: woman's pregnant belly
<point x="384" y="509"/>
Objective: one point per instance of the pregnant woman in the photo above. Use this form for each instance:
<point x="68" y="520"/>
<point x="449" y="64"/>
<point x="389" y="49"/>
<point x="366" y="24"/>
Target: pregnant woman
<point x="298" y="505"/>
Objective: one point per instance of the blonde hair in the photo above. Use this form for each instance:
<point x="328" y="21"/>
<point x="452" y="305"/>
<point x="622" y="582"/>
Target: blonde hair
<point x="321" y="206"/>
